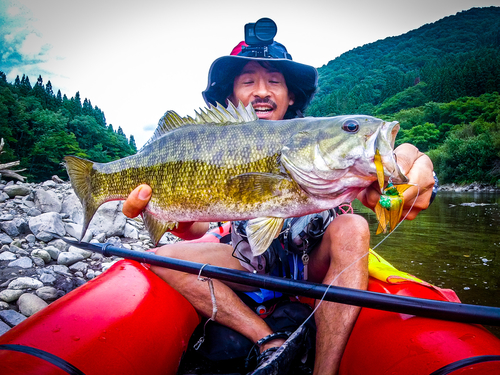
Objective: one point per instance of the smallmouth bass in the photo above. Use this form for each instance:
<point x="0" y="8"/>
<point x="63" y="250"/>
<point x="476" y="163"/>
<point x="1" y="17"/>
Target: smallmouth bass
<point x="226" y="164"/>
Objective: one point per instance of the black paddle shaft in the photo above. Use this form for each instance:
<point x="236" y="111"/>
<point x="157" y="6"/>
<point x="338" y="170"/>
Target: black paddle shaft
<point x="458" y="312"/>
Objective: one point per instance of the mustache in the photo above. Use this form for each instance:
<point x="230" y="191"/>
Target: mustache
<point x="258" y="101"/>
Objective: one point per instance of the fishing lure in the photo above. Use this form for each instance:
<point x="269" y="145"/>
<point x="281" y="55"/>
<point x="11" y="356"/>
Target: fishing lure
<point x="390" y="205"/>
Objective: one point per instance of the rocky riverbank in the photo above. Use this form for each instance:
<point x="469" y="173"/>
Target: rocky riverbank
<point x="473" y="187"/>
<point x="36" y="267"/>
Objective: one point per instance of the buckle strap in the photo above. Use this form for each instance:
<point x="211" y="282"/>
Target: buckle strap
<point x="272" y="336"/>
<point x="282" y="256"/>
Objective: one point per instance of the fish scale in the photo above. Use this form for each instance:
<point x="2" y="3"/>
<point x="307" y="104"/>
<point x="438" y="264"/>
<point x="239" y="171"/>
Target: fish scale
<point x="239" y="167"/>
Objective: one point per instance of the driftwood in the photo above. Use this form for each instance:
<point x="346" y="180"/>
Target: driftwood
<point x="4" y="168"/>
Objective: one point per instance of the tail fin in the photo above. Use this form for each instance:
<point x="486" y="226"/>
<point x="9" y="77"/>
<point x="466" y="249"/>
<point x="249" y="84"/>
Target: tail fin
<point x="79" y="171"/>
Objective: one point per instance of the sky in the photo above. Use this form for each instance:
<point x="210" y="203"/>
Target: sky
<point x="137" y="59"/>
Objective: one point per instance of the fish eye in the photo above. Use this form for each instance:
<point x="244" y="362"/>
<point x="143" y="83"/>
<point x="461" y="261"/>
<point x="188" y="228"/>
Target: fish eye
<point x="350" y="126"/>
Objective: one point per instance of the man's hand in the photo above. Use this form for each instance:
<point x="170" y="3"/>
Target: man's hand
<point x="139" y="198"/>
<point x="418" y="168"/>
<point x="137" y="201"/>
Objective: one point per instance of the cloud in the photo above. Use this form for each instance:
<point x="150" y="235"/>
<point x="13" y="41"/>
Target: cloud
<point x="33" y="47"/>
<point x="20" y="45"/>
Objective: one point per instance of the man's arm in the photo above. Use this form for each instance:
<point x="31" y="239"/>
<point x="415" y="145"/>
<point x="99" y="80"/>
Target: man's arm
<point x="418" y="168"/>
<point x="137" y="202"/>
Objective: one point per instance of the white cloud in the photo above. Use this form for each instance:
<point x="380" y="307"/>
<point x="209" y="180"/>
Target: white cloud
<point x="33" y="46"/>
<point x="13" y="11"/>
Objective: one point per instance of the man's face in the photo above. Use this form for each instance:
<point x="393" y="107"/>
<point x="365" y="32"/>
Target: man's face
<point x="265" y="88"/>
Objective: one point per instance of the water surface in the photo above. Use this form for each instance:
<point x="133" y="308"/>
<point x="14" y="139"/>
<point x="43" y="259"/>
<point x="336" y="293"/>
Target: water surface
<point x="454" y="244"/>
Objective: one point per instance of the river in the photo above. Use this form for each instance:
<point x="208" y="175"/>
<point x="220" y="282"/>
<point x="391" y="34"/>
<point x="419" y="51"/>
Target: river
<point x="454" y="244"/>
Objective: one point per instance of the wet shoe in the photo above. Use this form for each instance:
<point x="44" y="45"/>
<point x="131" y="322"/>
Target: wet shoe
<point x="274" y="361"/>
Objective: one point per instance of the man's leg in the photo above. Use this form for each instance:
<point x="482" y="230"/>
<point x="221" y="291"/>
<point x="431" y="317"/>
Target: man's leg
<point x="344" y="243"/>
<point x="231" y="311"/>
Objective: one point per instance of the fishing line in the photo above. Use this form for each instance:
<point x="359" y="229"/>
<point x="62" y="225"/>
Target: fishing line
<point x="358" y="259"/>
<point x="331" y="284"/>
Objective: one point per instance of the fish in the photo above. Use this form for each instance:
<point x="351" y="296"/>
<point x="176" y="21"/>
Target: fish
<point x="225" y="164"/>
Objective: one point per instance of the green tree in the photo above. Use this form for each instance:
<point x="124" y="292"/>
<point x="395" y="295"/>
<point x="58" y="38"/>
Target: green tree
<point x="120" y="132"/>
<point x="132" y="144"/>
<point x="25" y="86"/>
<point x="87" y="131"/>
<point x="411" y="97"/>
<point x="49" y="151"/>
<point x="424" y="137"/>
<point x="470" y="153"/>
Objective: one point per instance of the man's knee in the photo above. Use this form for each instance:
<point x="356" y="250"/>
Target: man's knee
<point x="351" y="225"/>
<point x="167" y="251"/>
<point x="346" y="239"/>
<point x="170" y="251"/>
<point x="348" y="235"/>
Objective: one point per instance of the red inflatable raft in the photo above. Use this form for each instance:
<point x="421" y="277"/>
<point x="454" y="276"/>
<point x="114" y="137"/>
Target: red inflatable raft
<point x="128" y="321"/>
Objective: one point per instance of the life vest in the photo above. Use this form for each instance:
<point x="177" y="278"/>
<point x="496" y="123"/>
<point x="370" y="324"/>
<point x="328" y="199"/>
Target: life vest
<point x="297" y="239"/>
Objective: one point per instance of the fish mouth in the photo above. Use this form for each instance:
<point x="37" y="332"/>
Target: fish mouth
<point x="385" y="146"/>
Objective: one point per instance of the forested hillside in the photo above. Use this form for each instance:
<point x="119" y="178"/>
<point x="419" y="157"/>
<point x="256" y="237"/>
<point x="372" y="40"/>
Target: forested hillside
<point x="433" y="80"/>
<point x="40" y="128"/>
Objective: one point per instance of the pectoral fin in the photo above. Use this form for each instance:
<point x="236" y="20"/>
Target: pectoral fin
<point x="155" y="227"/>
<point x="261" y="232"/>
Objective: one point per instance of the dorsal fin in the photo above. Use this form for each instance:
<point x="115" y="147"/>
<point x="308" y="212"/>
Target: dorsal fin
<point x="224" y="116"/>
<point x="214" y="115"/>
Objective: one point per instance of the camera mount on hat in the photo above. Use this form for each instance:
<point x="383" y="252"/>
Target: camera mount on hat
<point x="259" y="37"/>
<point x="260" y="33"/>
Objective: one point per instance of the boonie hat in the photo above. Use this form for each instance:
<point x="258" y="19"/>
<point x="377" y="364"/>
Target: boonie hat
<point x="301" y="79"/>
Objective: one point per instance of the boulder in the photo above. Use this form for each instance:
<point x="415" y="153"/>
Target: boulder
<point x="25" y="283"/>
<point x="43" y="254"/>
<point x="5" y="239"/>
<point x="7" y="255"/>
<point x="71" y="206"/>
<point x="3" y="197"/>
<point x="109" y="219"/>
<point x="69" y="258"/>
<point x="14" y="227"/>
<point x="74" y="230"/>
<point x="44" y="226"/>
<point x="30" y="304"/>
<point x="10" y="295"/>
<point x="47" y="293"/>
<point x="15" y="190"/>
<point x="11" y="317"/>
<point x="52" y="251"/>
<point x="47" y="201"/>
<point x="23" y="262"/>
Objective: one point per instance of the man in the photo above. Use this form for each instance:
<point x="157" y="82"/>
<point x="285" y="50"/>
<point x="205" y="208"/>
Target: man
<point x="280" y="88"/>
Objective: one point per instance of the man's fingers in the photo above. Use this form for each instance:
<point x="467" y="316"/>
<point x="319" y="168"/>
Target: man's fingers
<point x="137" y="201"/>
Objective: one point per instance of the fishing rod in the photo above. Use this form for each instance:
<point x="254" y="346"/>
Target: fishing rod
<point x="452" y="311"/>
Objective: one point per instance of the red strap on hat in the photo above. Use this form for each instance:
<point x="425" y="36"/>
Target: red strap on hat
<point x="236" y="50"/>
